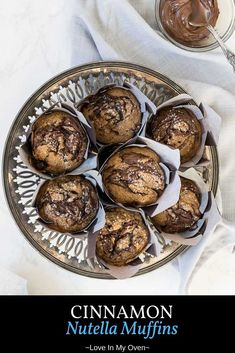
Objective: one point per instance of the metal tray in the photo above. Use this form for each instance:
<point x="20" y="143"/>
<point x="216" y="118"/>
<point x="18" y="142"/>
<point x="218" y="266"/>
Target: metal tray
<point x="20" y="183"/>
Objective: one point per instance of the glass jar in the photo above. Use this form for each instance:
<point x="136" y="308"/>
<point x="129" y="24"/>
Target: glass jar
<point x="225" y="26"/>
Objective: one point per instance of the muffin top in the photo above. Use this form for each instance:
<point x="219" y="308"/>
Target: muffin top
<point x="123" y="237"/>
<point x="184" y="214"/>
<point x="133" y="176"/>
<point x="58" y="142"/>
<point x="115" y="114"/>
<point x="67" y="203"/>
<point x="177" y="128"/>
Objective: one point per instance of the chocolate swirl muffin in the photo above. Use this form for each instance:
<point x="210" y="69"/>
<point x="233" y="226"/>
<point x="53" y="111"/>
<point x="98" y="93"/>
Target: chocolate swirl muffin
<point x="177" y="128"/>
<point x="133" y="176"/>
<point x="58" y="142"/>
<point x="184" y="214"/>
<point x="115" y="114"/>
<point x="123" y="237"/>
<point x="67" y="203"/>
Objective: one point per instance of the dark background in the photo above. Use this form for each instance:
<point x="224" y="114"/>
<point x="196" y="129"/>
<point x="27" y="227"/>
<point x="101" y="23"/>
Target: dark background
<point x="42" y="320"/>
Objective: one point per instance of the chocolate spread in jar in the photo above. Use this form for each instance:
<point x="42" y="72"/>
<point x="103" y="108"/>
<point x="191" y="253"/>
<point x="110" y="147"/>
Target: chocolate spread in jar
<point x="176" y="14"/>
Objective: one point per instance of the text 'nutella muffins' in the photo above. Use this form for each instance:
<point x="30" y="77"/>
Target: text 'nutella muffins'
<point x="59" y="143"/>
<point x="123" y="237"/>
<point x="133" y="176"/>
<point x="67" y="203"/>
<point x="177" y="128"/>
<point x="184" y="214"/>
<point x="115" y="114"/>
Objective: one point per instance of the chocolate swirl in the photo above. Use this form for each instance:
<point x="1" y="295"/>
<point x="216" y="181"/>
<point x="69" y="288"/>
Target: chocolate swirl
<point x="184" y="214"/>
<point x="58" y="142"/>
<point x="177" y="128"/>
<point x="133" y="176"/>
<point x="176" y="14"/>
<point x="123" y="237"/>
<point x="115" y="114"/>
<point x="68" y="203"/>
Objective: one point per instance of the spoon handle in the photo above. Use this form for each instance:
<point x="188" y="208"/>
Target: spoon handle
<point x="228" y="53"/>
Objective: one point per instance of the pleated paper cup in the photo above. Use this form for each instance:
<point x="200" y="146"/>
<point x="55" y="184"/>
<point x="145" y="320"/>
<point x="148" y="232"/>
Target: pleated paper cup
<point x="99" y="220"/>
<point x="208" y="209"/>
<point x="153" y="248"/>
<point x="90" y="157"/>
<point x="147" y="107"/>
<point x="210" y="122"/>
<point x="170" y="161"/>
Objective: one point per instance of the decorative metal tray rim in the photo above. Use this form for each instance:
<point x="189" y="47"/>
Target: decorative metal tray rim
<point x="103" y="66"/>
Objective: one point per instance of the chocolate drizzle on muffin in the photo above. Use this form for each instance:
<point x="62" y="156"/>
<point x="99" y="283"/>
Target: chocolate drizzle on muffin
<point x="115" y="114"/>
<point x="58" y="142"/>
<point x="134" y="177"/>
<point x="184" y="214"/>
<point x="68" y="203"/>
<point x="177" y="128"/>
<point x="123" y="237"/>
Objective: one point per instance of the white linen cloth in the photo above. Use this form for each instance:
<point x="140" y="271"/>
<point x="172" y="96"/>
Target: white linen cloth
<point x="39" y="39"/>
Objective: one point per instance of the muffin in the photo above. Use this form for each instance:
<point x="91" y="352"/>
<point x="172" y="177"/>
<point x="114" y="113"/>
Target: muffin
<point x="115" y="114"/>
<point x="177" y="128"/>
<point x="133" y="176"/>
<point x="59" y="143"/>
<point x="123" y="237"/>
<point x="67" y="203"/>
<point x="184" y="214"/>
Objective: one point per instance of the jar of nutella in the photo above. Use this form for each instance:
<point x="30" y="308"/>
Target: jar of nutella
<point x="173" y="20"/>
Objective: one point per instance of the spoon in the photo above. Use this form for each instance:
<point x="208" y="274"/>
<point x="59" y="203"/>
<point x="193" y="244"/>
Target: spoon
<point x="200" y="18"/>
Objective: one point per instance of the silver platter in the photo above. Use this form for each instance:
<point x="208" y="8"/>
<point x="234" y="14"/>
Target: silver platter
<point x="20" y="183"/>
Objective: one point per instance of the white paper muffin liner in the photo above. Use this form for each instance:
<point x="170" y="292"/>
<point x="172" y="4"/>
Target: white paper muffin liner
<point x="147" y="107"/>
<point x="153" y="248"/>
<point x="170" y="160"/>
<point x="208" y="208"/>
<point x="209" y="120"/>
<point x="90" y="157"/>
<point x="99" y="220"/>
